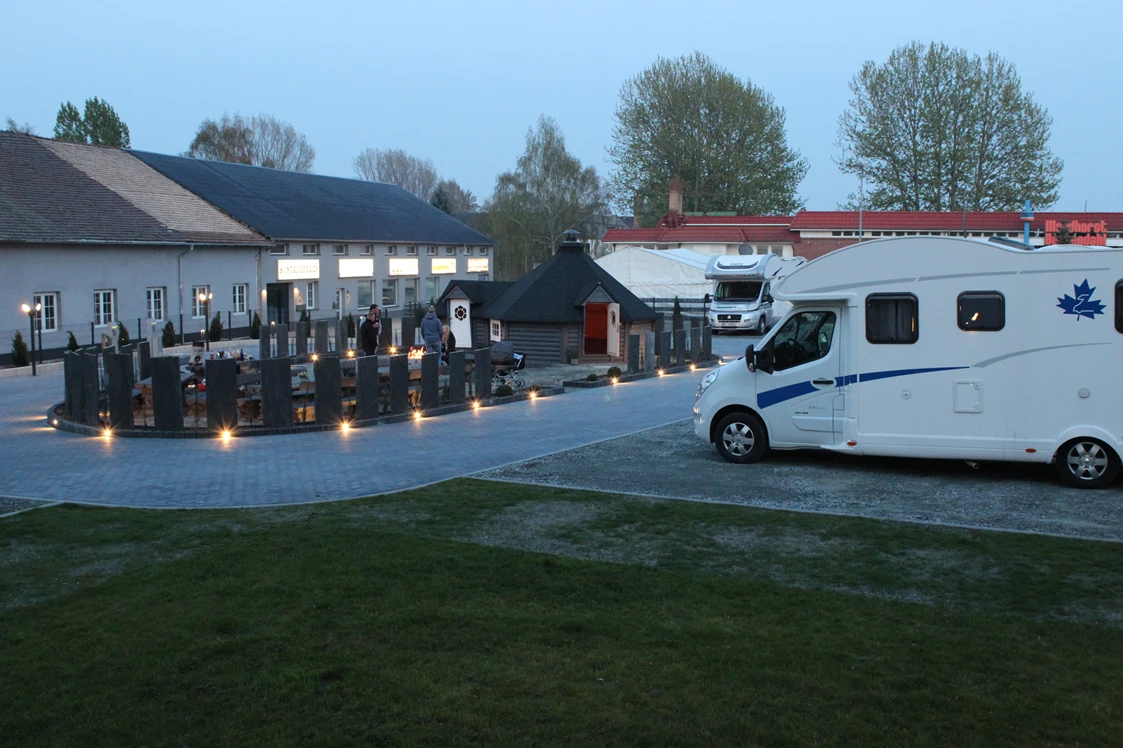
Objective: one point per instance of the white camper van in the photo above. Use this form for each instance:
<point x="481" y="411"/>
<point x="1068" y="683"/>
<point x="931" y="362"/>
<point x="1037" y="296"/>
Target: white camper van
<point x="936" y="347"/>
<point x="742" y="298"/>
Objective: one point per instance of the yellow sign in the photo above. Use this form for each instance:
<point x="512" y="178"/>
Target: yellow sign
<point x="444" y="266"/>
<point x="403" y="266"/>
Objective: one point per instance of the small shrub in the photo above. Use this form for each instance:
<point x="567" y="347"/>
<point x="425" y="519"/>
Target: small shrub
<point x="215" y="333"/>
<point x="304" y="317"/>
<point x="350" y="325"/>
<point x="255" y="327"/>
<point x="591" y="378"/>
<point x="168" y="338"/>
<point x="72" y="342"/>
<point x="20" y="356"/>
<point x="613" y="371"/>
<point x="678" y="306"/>
<point x="571" y="354"/>
<point x="504" y="390"/>
<point x="122" y="334"/>
<point x="534" y="388"/>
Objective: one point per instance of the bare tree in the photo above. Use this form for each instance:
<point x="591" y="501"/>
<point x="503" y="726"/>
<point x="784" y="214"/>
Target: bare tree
<point x="25" y="128"/>
<point x="262" y="140"/>
<point x="415" y="175"/>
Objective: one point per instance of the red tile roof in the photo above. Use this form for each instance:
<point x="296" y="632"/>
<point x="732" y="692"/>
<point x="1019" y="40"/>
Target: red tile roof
<point x="808" y="220"/>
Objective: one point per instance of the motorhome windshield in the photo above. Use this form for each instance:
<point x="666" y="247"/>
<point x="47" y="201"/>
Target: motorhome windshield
<point x="738" y="290"/>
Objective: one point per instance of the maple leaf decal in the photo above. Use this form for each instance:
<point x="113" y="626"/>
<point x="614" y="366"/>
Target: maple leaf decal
<point x="1081" y="302"/>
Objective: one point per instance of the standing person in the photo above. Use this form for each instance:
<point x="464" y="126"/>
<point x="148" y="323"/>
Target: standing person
<point x="431" y="331"/>
<point x="369" y="330"/>
<point x="448" y="343"/>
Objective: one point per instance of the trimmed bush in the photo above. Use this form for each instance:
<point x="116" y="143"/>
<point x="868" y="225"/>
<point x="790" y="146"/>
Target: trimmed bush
<point x="504" y="390"/>
<point x="350" y="325"/>
<point x="20" y="356"/>
<point x="591" y="378"/>
<point x="122" y="334"/>
<point x="168" y="337"/>
<point x="255" y="327"/>
<point x="215" y="331"/>
<point x="613" y="371"/>
<point x="72" y="342"/>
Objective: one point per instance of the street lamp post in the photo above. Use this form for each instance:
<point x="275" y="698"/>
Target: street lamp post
<point x="205" y="299"/>
<point x="31" y="313"/>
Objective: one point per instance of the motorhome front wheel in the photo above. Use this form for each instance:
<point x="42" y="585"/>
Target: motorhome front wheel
<point x="741" y="438"/>
<point x="1087" y="463"/>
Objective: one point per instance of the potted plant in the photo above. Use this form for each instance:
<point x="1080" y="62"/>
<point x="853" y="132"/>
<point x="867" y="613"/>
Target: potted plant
<point x="571" y="355"/>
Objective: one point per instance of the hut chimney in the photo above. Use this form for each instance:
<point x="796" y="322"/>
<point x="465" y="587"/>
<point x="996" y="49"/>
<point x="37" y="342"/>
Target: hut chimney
<point x="675" y="186"/>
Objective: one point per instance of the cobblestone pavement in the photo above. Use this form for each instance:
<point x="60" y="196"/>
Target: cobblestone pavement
<point x="41" y="463"/>
<point x="671" y="461"/>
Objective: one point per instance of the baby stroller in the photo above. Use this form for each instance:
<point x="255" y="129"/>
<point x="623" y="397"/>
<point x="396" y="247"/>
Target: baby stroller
<point x="506" y="366"/>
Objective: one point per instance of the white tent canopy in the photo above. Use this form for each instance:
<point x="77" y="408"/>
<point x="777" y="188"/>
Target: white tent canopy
<point x="659" y="273"/>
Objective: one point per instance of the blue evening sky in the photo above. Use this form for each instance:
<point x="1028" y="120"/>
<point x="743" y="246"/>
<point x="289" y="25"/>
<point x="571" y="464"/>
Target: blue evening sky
<point x="461" y="82"/>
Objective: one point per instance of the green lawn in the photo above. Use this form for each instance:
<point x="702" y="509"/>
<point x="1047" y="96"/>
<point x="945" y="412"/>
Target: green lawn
<point x="474" y="612"/>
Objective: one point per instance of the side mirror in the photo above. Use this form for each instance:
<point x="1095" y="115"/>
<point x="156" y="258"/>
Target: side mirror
<point x="750" y="357"/>
<point x="707" y="299"/>
<point x="765" y="361"/>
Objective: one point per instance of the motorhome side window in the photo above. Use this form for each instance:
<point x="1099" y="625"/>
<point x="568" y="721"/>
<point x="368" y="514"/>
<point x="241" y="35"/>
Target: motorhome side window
<point x="1119" y="306"/>
<point x="981" y="310"/>
<point x="892" y="318"/>
<point x="804" y="338"/>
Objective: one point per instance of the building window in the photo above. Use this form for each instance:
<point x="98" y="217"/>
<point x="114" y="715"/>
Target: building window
<point x="310" y="295"/>
<point x="339" y="249"/>
<point x="981" y="310"/>
<point x="365" y="295"/>
<point x="467" y="250"/>
<point x="430" y="250"/>
<point x="409" y="291"/>
<point x="279" y="249"/>
<point x="450" y="250"/>
<point x="391" y="250"/>
<point x="154" y="299"/>
<point x="48" y="311"/>
<point x="432" y="288"/>
<point x="311" y="249"/>
<point x="105" y="307"/>
<point x="892" y="318"/>
<point x="483" y="276"/>
<point x="390" y="292"/>
<point x="366" y="249"/>
<point x="483" y="251"/>
<point x="1119" y="306"/>
<point x="200" y="300"/>
<point x="496" y="330"/>
<point x="240" y="290"/>
<point x="411" y="250"/>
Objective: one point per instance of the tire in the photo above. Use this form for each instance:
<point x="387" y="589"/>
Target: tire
<point x="761" y="326"/>
<point x="1087" y="463"/>
<point x="741" y="438"/>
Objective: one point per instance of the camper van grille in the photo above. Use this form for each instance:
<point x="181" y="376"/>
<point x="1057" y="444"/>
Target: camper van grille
<point x="729" y="318"/>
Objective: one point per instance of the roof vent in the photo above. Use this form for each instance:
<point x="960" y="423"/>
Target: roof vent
<point x="571" y="242"/>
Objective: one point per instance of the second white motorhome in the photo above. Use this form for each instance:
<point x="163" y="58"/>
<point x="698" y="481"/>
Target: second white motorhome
<point x="936" y="347"/>
<point x="742" y="298"/>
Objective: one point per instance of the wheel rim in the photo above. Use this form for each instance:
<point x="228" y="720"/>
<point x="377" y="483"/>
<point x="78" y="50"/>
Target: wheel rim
<point x="738" y="439"/>
<point x="1087" y="461"/>
<point x="760" y="325"/>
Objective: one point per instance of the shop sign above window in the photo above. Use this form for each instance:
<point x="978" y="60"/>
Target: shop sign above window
<point x="298" y="269"/>
<point x="444" y="266"/>
<point x="359" y="267"/>
<point x="479" y="265"/>
<point x="404" y="266"/>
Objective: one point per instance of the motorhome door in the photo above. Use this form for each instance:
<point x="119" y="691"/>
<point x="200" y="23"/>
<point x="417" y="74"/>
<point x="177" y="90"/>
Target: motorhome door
<point x="801" y="373"/>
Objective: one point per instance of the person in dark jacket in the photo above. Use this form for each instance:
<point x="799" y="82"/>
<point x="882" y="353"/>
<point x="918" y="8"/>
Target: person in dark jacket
<point x="368" y="332"/>
<point x="431" y="331"/>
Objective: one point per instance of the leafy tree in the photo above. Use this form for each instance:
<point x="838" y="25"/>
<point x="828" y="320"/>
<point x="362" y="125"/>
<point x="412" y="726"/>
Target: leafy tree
<point x="1063" y="234"/>
<point x="98" y="125"/>
<point x="935" y="128"/>
<point x="547" y="194"/>
<point x="168" y="337"/>
<point x="20" y="356"/>
<point x="262" y="140"/>
<point x="71" y="341"/>
<point x="255" y="327"/>
<point x="215" y="331"/>
<point x="416" y="176"/>
<point x="13" y="126"/>
<point x="122" y="334"/>
<point x="453" y="199"/>
<point x="724" y="137"/>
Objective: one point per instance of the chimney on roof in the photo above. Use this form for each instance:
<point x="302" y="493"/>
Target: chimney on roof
<point x="675" y="187"/>
<point x="637" y="210"/>
<point x="571" y="242"/>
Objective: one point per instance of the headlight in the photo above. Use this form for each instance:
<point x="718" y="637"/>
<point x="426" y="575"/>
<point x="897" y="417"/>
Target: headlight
<point x="706" y="382"/>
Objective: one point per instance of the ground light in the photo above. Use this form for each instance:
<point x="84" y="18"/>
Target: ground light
<point x="475" y="405"/>
<point x="533" y="395"/>
<point x="226" y="435"/>
<point x="615" y="380"/>
<point x="107" y="433"/>
<point x="350" y="354"/>
<point x="345" y="427"/>
<point x="417" y="415"/>
<point x="315" y="357"/>
<point x="692" y="367"/>
<point x="660" y="372"/>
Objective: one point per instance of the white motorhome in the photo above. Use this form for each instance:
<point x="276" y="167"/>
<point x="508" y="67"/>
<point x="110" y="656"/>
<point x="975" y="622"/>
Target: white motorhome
<point x="936" y="347"/>
<point x="742" y="299"/>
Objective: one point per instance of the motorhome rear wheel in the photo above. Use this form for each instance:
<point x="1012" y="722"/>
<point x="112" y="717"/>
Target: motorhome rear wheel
<point x="1087" y="463"/>
<point x="741" y="438"/>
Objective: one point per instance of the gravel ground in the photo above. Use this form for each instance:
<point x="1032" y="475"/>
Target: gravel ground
<point x="670" y="461"/>
<point x="7" y="506"/>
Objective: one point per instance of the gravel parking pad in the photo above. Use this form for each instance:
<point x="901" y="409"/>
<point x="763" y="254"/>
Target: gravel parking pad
<point x="670" y="461"/>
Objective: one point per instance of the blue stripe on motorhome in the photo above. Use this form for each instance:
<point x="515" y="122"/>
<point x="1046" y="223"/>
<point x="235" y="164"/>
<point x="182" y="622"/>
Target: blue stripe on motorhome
<point x="769" y="398"/>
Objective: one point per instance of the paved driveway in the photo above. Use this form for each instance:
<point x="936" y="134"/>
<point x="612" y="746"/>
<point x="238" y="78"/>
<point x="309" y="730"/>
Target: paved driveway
<point x="41" y="463"/>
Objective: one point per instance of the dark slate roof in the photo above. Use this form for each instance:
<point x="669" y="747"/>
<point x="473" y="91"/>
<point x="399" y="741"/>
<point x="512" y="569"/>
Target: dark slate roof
<point x="66" y="192"/>
<point x="555" y="290"/>
<point x="288" y="205"/>
<point x="478" y="292"/>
